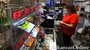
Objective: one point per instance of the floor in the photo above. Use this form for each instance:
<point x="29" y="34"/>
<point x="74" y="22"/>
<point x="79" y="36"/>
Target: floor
<point x="2" y="38"/>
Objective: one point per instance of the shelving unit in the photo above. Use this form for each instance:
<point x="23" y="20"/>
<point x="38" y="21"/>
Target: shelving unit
<point x="31" y="29"/>
<point x="18" y="15"/>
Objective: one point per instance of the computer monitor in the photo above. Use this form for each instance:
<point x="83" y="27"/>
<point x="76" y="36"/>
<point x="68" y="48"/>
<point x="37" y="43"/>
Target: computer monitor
<point x="48" y="23"/>
<point x="82" y="8"/>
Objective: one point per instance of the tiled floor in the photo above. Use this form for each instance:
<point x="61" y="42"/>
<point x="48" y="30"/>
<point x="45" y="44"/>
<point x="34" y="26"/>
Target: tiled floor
<point x="2" y="38"/>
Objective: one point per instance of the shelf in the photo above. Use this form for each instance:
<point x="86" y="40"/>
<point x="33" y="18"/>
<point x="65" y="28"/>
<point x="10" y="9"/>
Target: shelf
<point x="24" y="25"/>
<point x="30" y="39"/>
<point x="20" y="25"/>
<point x="34" y="33"/>
<point x="22" y="47"/>
<point x="15" y="23"/>
<point x="28" y="43"/>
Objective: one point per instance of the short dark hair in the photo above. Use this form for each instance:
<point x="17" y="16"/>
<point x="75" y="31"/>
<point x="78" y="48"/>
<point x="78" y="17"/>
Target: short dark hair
<point x="71" y="8"/>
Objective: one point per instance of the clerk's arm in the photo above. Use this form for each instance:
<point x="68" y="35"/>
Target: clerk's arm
<point x="69" y="25"/>
<point x="73" y="21"/>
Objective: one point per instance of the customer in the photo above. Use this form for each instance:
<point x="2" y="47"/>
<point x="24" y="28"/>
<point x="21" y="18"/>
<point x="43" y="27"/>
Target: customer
<point x="68" y="24"/>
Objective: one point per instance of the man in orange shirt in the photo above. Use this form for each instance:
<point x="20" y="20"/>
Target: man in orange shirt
<point x="68" y="24"/>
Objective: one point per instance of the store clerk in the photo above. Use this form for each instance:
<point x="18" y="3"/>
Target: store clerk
<point x="68" y="24"/>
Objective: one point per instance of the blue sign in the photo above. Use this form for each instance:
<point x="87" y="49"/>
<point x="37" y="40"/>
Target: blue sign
<point x="49" y="3"/>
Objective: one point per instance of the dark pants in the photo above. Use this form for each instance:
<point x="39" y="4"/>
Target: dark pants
<point x="66" y="40"/>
